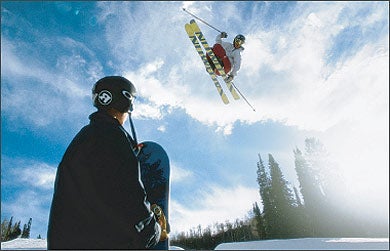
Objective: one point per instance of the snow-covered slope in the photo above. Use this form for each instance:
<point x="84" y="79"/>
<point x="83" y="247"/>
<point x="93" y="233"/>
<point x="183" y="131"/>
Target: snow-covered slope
<point x="291" y="244"/>
<point x="37" y="244"/>
<point x="24" y="244"/>
<point x="310" y="244"/>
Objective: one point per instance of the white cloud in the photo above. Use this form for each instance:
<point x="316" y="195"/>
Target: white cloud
<point x="33" y="174"/>
<point x="149" y="86"/>
<point x="227" y="130"/>
<point x="31" y="88"/>
<point x="284" y="73"/>
<point x="162" y="128"/>
<point x="217" y="204"/>
<point x="147" y="111"/>
<point x="178" y="174"/>
<point x="187" y="4"/>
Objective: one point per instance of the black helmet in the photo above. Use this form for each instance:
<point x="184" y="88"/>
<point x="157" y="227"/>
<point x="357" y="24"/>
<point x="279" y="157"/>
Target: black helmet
<point x="113" y="92"/>
<point x="238" y="40"/>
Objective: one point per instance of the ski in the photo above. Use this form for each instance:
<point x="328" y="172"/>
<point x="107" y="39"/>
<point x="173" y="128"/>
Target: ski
<point x="195" y="42"/>
<point x="218" y="66"/>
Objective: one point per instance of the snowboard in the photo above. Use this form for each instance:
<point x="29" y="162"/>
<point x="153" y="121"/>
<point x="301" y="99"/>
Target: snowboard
<point x="155" y="174"/>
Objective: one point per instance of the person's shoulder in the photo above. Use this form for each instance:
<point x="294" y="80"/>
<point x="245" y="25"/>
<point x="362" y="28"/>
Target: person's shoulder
<point x="238" y="51"/>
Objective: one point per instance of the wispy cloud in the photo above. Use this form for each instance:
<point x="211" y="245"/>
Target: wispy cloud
<point x="44" y="74"/>
<point x="38" y="175"/>
<point x="179" y="174"/>
<point x="216" y="205"/>
<point x="31" y="88"/>
<point x="284" y="73"/>
<point x="28" y="173"/>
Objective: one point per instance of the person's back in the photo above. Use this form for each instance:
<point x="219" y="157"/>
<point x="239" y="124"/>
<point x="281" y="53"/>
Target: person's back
<point x="99" y="201"/>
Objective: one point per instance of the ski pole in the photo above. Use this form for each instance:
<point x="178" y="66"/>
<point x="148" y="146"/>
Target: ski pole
<point x="133" y="130"/>
<point x="243" y="97"/>
<point x="202" y="20"/>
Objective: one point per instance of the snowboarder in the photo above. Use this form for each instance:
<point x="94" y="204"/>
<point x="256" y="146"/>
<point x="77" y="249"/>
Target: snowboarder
<point x="228" y="54"/>
<point x="99" y="201"/>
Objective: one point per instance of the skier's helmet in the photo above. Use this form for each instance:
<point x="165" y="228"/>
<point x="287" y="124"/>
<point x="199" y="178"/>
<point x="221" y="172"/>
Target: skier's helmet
<point x="113" y="92"/>
<point x="238" y="41"/>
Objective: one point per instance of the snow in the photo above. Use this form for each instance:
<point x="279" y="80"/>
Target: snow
<point x="24" y="244"/>
<point x="175" y="248"/>
<point x="310" y="244"/>
<point x="37" y="244"/>
<point x="290" y="244"/>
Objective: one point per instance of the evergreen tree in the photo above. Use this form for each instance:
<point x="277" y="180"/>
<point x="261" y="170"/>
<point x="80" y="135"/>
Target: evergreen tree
<point x="199" y="238"/>
<point x="10" y="230"/>
<point x="8" y="233"/>
<point x="283" y="201"/>
<point x="315" y="199"/>
<point x="311" y="192"/>
<point x="317" y="177"/>
<point x="24" y="231"/>
<point x="15" y="231"/>
<point x="27" y="229"/>
<point x="260" y="226"/>
<point x="301" y="219"/>
<point x="4" y="229"/>
<point x="264" y="182"/>
<point x="297" y="197"/>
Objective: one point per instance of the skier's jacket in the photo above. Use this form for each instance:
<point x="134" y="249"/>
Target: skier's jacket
<point x="99" y="201"/>
<point x="232" y="53"/>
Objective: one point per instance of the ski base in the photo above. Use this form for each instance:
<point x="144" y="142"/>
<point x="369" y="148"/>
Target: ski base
<point x="211" y="54"/>
<point x="195" y="42"/>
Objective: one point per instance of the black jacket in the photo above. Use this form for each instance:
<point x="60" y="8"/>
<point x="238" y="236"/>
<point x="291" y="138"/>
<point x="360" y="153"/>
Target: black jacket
<point x="99" y="201"/>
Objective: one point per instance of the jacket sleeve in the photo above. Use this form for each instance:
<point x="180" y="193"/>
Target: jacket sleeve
<point x="236" y="62"/>
<point x="218" y="39"/>
<point x="142" y="224"/>
<point x="146" y="227"/>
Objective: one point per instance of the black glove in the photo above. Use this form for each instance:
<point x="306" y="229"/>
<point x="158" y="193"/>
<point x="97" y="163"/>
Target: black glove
<point x="229" y="78"/>
<point x="223" y="34"/>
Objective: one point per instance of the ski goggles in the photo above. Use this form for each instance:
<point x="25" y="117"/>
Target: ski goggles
<point x="128" y="95"/>
<point x="238" y="42"/>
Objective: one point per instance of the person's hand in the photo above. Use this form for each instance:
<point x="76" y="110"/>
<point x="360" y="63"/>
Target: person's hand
<point x="162" y="221"/>
<point x="229" y="78"/>
<point x="223" y="34"/>
<point x="137" y="148"/>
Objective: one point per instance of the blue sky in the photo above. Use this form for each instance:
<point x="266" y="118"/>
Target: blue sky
<point x="311" y="69"/>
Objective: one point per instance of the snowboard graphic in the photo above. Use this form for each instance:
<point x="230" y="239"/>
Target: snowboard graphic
<point x="154" y="166"/>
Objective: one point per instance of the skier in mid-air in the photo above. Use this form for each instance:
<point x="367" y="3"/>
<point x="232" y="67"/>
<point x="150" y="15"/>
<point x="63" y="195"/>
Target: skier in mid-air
<point x="228" y="54"/>
<point x="224" y="57"/>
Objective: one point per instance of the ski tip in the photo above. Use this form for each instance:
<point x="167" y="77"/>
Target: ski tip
<point x="189" y="30"/>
